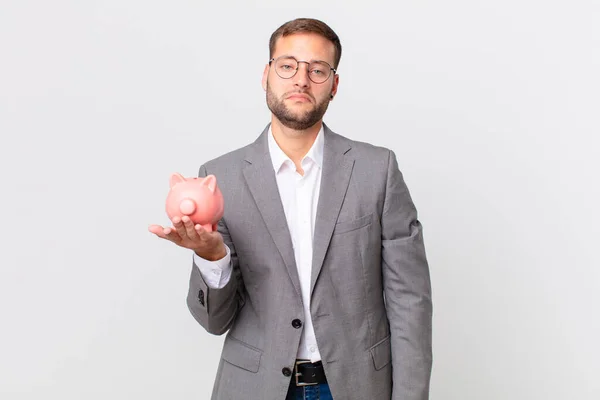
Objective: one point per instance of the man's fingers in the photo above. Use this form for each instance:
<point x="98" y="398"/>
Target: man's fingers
<point x="165" y="233"/>
<point x="156" y="229"/>
<point x="172" y="235"/>
<point x="201" y="232"/>
<point x="189" y="228"/>
<point x="179" y="227"/>
<point x="184" y="233"/>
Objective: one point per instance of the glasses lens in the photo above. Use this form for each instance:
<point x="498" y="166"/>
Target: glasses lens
<point x="319" y="71"/>
<point x="286" y="67"/>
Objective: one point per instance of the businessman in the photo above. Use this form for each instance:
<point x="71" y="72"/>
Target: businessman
<point x="317" y="272"/>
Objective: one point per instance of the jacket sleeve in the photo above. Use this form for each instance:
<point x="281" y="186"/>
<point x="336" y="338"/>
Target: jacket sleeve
<point x="407" y="289"/>
<point x="216" y="309"/>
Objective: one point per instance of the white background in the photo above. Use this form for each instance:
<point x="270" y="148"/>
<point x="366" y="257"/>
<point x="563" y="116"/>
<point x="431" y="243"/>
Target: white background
<point x="491" y="106"/>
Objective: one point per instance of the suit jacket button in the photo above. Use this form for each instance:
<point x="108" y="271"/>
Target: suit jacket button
<point x="201" y="296"/>
<point x="286" y="371"/>
<point x="296" y="323"/>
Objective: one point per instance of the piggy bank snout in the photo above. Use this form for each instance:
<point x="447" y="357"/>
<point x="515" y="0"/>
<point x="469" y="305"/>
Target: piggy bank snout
<point x="187" y="206"/>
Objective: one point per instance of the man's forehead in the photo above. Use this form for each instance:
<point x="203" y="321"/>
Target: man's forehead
<point x="305" y="45"/>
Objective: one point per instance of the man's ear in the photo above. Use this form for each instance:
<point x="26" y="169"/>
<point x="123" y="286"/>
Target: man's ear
<point x="265" y="77"/>
<point x="336" y="82"/>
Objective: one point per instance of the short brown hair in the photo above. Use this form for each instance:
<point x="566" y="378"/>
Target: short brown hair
<point x="307" y="25"/>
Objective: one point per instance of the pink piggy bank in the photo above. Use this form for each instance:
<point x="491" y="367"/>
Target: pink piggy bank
<point x="198" y="198"/>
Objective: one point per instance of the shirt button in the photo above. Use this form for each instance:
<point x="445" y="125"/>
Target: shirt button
<point x="296" y="323"/>
<point x="286" y="371"/>
<point x="312" y="349"/>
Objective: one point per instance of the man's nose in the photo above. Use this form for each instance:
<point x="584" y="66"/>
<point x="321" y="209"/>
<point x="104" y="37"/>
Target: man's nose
<point x="301" y="77"/>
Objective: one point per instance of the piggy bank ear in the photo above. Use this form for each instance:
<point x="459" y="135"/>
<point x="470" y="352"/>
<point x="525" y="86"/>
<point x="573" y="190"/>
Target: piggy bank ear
<point x="211" y="182"/>
<point x="175" y="178"/>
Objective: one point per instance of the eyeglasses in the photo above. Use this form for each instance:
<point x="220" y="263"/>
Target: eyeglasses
<point x="286" y="67"/>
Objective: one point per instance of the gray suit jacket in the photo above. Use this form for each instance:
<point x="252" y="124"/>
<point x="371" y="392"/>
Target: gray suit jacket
<point x="370" y="289"/>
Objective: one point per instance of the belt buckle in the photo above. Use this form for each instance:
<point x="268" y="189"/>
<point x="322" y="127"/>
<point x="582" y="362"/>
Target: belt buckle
<point x="298" y="374"/>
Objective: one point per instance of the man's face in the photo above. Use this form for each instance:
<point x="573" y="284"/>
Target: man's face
<point x="298" y="102"/>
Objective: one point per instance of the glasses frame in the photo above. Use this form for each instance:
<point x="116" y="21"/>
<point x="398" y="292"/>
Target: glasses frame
<point x="307" y="66"/>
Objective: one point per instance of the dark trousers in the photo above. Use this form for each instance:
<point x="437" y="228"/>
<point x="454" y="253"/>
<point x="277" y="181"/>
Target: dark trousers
<point x="310" y="392"/>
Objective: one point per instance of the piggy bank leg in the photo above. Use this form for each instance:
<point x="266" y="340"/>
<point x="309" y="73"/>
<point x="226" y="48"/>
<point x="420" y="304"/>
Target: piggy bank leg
<point x="209" y="227"/>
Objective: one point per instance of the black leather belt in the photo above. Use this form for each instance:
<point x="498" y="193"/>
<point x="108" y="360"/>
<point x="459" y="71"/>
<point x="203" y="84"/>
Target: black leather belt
<point x="307" y="373"/>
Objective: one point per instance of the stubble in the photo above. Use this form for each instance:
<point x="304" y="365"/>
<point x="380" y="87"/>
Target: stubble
<point x="295" y="120"/>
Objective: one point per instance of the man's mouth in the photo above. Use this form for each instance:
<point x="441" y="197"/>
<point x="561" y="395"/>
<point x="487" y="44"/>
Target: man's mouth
<point x="298" y="96"/>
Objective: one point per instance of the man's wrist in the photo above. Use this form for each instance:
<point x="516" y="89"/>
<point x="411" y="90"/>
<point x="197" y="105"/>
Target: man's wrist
<point x="213" y="256"/>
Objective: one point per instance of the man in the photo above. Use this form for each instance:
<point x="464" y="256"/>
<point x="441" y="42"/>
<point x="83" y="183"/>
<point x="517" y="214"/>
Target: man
<point x="318" y="271"/>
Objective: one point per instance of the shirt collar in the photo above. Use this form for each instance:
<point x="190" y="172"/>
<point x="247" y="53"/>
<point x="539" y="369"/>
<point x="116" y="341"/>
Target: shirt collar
<point x="315" y="153"/>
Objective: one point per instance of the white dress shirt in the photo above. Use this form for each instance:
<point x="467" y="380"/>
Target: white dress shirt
<point x="299" y="196"/>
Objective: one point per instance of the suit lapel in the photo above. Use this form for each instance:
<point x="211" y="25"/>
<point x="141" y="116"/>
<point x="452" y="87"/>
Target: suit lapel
<point x="337" y="168"/>
<point x="260" y="178"/>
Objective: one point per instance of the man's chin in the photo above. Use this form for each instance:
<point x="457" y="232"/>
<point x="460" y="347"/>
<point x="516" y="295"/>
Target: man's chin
<point x="299" y="107"/>
<point x="296" y="115"/>
<point x="298" y="121"/>
<point x="297" y="125"/>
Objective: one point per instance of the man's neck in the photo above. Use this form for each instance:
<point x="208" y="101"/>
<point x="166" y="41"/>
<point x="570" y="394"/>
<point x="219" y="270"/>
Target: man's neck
<point x="294" y="143"/>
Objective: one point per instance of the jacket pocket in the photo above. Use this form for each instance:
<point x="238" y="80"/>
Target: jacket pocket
<point x="382" y="353"/>
<point x="241" y="354"/>
<point x="348" y="226"/>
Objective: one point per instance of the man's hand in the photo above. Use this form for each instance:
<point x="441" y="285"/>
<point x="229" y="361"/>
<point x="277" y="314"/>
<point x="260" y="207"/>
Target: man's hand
<point x="208" y="245"/>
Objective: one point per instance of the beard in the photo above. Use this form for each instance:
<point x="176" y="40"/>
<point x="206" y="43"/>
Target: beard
<point x="296" y="121"/>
